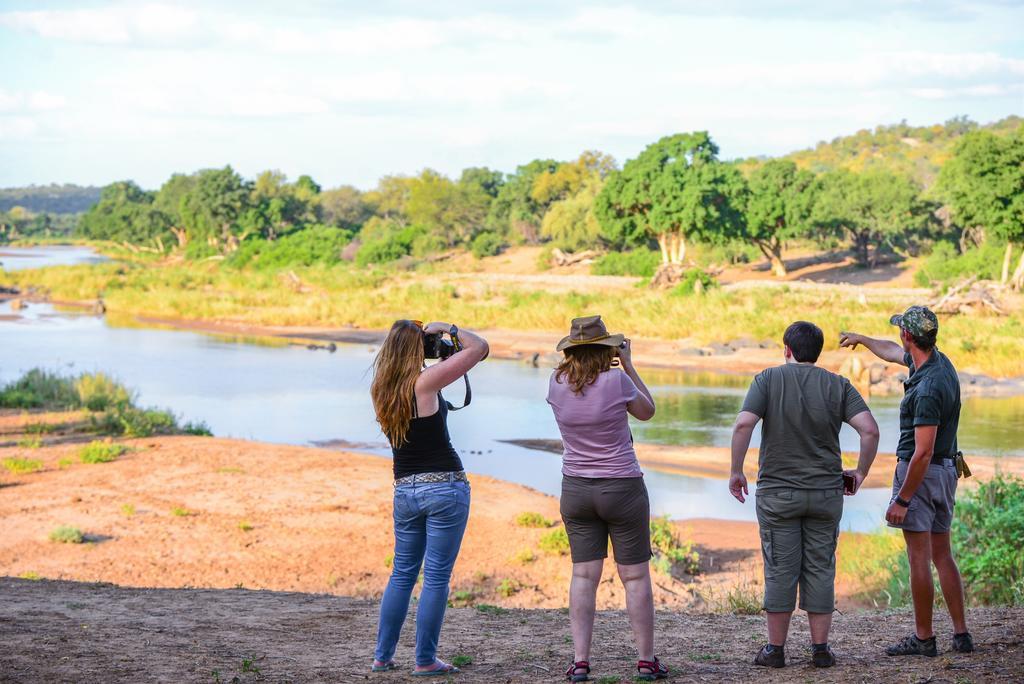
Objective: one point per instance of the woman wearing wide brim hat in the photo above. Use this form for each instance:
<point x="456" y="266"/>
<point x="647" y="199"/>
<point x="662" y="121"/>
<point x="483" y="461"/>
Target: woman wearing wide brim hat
<point x="603" y="492"/>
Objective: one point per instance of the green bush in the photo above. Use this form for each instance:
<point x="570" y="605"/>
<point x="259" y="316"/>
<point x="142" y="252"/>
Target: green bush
<point x="22" y="465"/>
<point x="390" y="246"/>
<point x="101" y="452"/>
<point x="988" y="535"/>
<point x="40" y="388"/>
<point x="688" y="285"/>
<point x="198" y="428"/>
<point x="486" y="244"/>
<point x="99" y="392"/>
<point x="532" y="519"/>
<point x="65" y="534"/>
<point x="945" y="265"/>
<point x="316" y="244"/>
<point x="509" y="587"/>
<point x="670" y="551"/>
<point x="555" y="541"/>
<point x="638" y="262"/>
<point x="427" y="244"/>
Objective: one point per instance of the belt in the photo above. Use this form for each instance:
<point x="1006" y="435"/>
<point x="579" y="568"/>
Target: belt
<point x="936" y="460"/>
<point x="426" y="478"/>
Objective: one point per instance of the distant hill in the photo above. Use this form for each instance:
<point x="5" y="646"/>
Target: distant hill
<point x="51" y="199"/>
<point x="918" y="151"/>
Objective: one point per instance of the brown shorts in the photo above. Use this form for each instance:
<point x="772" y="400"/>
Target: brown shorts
<point x="595" y="508"/>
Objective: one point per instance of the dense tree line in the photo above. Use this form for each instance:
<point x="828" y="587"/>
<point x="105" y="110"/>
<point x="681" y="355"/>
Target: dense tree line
<point x="675" y="191"/>
<point x="49" y="199"/>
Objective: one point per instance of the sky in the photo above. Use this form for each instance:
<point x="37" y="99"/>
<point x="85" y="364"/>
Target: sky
<point x="92" y="92"/>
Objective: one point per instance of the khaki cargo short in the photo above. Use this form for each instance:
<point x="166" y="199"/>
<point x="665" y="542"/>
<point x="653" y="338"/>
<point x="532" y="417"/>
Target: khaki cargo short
<point x="799" y="532"/>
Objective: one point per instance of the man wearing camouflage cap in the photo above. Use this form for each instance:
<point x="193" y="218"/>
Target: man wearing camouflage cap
<point x="924" y="486"/>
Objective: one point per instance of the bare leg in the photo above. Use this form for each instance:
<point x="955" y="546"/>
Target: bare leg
<point x="820" y="624"/>
<point x="636" y="579"/>
<point x="582" y="603"/>
<point x="778" y="627"/>
<point x="949" y="580"/>
<point x="919" y="554"/>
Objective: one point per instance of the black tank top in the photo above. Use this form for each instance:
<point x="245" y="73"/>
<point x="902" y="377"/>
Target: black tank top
<point x="427" y="448"/>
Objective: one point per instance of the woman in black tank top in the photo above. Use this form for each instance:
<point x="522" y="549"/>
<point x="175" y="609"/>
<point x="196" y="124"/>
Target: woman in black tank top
<point x="431" y="505"/>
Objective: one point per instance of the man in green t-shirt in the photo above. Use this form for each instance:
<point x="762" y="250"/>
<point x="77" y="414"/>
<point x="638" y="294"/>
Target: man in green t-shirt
<point x="924" y="485"/>
<point x="800" y="484"/>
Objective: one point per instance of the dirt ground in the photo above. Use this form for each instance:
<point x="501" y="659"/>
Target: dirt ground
<point x="56" y="631"/>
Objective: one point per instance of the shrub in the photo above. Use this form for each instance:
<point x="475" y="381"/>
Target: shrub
<point x="555" y="541"/>
<point x="486" y="244"/>
<point x="99" y="392"/>
<point x="135" y="422"/>
<point x="525" y="557"/>
<point x="531" y="519"/>
<point x="688" y="285"/>
<point x="200" y="429"/>
<point x="245" y="526"/>
<point x="43" y="428"/>
<point x="488" y="609"/>
<point x="30" y="442"/>
<point x="22" y="465"/>
<point x="128" y="510"/>
<point x="101" y="452"/>
<point x="670" y="551"/>
<point x="394" y="244"/>
<point x="462" y="660"/>
<point x="946" y="265"/>
<point x="180" y="512"/>
<point x="508" y="587"/>
<point x="988" y="534"/>
<point x="39" y="388"/>
<point x="316" y="244"/>
<point x="461" y="598"/>
<point x="638" y="262"/>
<point x="65" y="534"/>
<point x="877" y="564"/>
<point x="427" y="244"/>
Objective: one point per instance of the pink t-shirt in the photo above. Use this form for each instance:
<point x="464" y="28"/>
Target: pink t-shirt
<point x="595" y="426"/>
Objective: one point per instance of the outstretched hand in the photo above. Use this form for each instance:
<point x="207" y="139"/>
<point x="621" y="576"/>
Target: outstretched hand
<point x="849" y="339"/>
<point x="738" y="487"/>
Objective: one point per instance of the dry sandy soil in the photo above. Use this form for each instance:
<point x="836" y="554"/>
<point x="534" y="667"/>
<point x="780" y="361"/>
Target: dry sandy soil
<point x="86" y="632"/>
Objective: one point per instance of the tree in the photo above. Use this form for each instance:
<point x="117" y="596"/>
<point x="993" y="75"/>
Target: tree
<point x="514" y="210"/>
<point x="488" y="181"/>
<point x="778" y="208"/>
<point x="569" y="178"/>
<point x="454" y="211"/>
<point x="983" y="184"/>
<point x="675" y="189"/>
<point x="212" y="207"/>
<point x="125" y="213"/>
<point x="345" y="207"/>
<point x="571" y="223"/>
<point x="873" y="208"/>
<point x="168" y="201"/>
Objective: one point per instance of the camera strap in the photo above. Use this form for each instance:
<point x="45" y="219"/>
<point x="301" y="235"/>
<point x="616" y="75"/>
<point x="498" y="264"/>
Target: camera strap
<point x="465" y="378"/>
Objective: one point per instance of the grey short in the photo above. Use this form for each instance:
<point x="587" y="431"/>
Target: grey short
<point x="799" y="531"/>
<point x="596" y="508"/>
<point x="931" y="508"/>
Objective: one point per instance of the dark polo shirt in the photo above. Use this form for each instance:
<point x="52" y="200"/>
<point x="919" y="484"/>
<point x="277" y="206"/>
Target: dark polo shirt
<point x="931" y="397"/>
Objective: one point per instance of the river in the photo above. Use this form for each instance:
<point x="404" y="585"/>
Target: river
<point x="278" y="391"/>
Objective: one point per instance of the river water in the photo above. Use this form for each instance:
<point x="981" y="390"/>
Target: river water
<point x="277" y="391"/>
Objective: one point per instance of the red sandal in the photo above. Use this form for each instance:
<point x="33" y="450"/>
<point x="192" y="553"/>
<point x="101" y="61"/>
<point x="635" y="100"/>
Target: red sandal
<point x="657" y="670"/>
<point x="578" y="665"/>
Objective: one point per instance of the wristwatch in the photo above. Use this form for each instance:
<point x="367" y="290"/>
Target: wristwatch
<point x="901" y="501"/>
<point x="453" y="331"/>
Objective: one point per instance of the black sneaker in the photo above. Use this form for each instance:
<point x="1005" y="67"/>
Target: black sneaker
<point x="823" y="657"/>
<point x="771" y="656"/>
<point x="911" y="645"/>
<point x="963" y="643"/>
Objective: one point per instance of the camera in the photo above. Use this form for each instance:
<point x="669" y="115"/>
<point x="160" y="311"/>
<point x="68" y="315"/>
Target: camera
<point x="436" y="347"/>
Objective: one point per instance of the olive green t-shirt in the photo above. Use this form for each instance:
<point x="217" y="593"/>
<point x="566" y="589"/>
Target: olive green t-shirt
<point x="801" y="407"/>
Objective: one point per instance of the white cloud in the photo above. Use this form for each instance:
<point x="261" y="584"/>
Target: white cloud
<point x="107" y="25"/>
<point x="35" y="101"/>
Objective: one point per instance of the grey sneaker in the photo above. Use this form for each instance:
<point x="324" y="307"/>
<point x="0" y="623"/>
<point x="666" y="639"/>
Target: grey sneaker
<point x="963" y="643"/>
<point x="771" y="656"/>
<point x="911" y="645"/>
<point x="823" y="657"/>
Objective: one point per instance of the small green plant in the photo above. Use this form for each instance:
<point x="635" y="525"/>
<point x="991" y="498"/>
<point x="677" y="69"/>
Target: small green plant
<point x="462" y="660"/>
<point x="987" y="535"/>
<point x="101" y="452"/>
<point x="63" y="463"/>
<point x="249" y="666"/>
<point x="29" y="575"/>
<point x="555" y="541"/>
<point x="509" y="587"/>
<point x="66" y="534"/>
<point x="180" y="512"/>
<point x="389" y="560"/>
<point x="39" y="388"/>
<point x="43" y="428"/>
<point x="462" y="598"/>
<point x="245" y="526"/>
<point x="531" y="519"/>
<point x="22" y="465"/>
<point x="99" y="392"/>
<point x="488" y="609"/>
<point x="525" y="556"/>
<point x="127" y="510"/>
<point x="198" y="428"/>
<point x="608" y="679"/>
<point x="231" y="471"/>
<point x="639" y="262"/>
<point x="743" y="598"/>
<point x="670" y="551"/>
<point x="30" y="442"/>
<point x="694" y="281"/>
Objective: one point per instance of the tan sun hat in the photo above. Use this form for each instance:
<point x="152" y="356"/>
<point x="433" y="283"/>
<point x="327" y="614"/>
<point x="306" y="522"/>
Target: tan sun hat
<point x="589" y="330"/>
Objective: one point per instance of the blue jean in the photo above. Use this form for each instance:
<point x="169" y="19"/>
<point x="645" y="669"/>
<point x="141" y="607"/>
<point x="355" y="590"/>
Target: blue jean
<point x="430" y="520"/>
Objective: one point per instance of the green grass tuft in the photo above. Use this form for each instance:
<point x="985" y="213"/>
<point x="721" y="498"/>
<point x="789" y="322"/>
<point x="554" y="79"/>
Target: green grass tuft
<point x="22" y="465"/>
<point x="555" y="542"/>
<point x="66" y="534"/>
<point x="531" y="519"/>
<point x="101" y="452"/>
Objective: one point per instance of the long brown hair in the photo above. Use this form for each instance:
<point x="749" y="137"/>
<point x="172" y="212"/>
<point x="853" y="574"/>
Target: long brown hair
<point x="583" y="364"/>
<point x="395" y="370"/>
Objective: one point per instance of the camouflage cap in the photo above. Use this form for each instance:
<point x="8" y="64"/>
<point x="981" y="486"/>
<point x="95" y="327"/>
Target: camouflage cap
<point x="919" y="321"/>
